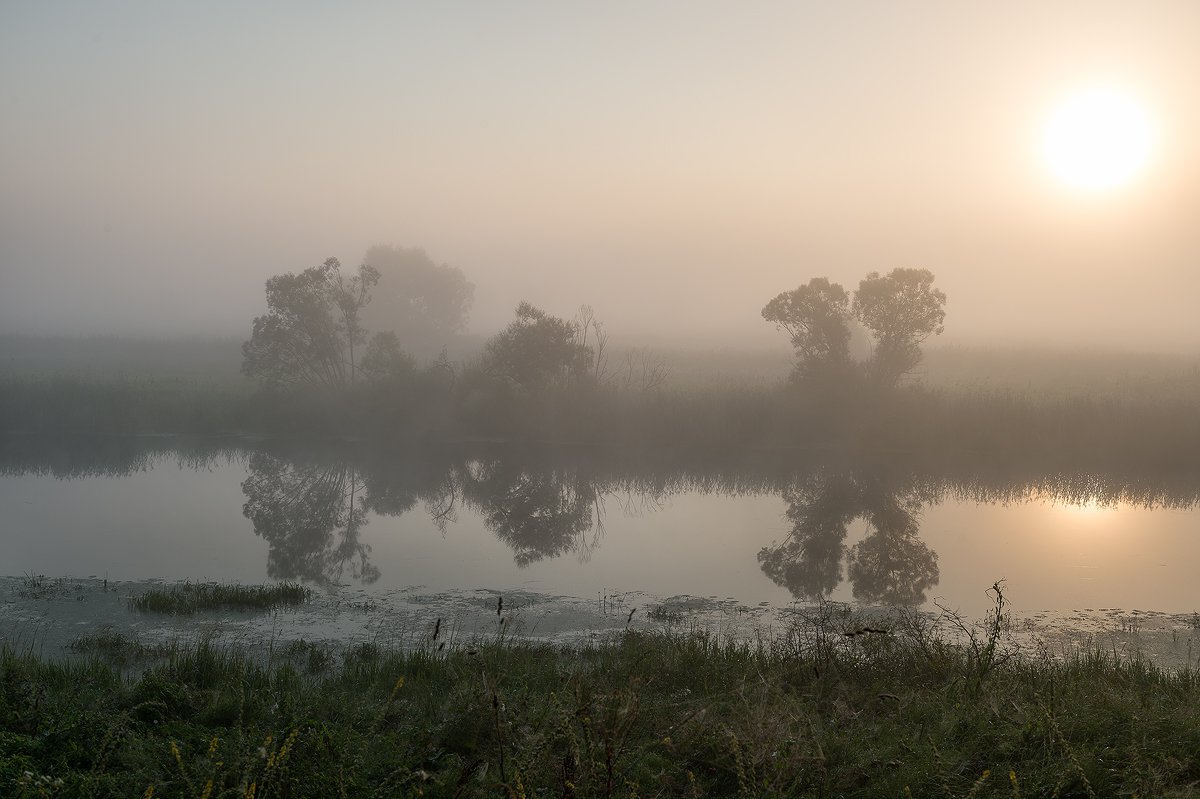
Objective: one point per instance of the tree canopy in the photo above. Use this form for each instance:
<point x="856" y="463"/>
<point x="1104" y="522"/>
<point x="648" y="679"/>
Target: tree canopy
<point x="538" y="349"/>
<point x="424" y="302"/>
<point x="900" y="310"/>
<point x="312" y="326"/>
<point x="815" y="316"/>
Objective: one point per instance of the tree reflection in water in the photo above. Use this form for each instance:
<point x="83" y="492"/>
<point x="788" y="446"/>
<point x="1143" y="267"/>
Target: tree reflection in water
<point x="311" y="516"/>
<point x="890" y="566"/>
<point x="311" y="505"/>
<point x="540" y="513"/>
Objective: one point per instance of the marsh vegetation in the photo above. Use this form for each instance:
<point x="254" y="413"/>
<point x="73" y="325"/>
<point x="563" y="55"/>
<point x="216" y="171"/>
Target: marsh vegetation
<point x="187" y="599"/>
<point x="841" y="705"/>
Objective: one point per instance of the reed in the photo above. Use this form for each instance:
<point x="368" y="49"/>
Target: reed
<point x="185" y="599"/>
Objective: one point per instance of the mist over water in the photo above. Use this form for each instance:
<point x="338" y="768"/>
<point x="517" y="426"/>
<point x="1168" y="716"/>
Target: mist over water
<point x="804" y="291"/>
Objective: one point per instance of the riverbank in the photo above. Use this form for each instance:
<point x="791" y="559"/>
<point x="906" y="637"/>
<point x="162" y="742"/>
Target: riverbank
<point x="949" y="427"/>
<point x="823" y="709"/>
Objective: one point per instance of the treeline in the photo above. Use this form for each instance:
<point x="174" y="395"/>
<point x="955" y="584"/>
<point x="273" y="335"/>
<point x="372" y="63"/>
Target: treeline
<point x="331" y="358"/>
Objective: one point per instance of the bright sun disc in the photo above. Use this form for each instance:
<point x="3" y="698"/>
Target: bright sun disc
<point x="1098" y="140"/>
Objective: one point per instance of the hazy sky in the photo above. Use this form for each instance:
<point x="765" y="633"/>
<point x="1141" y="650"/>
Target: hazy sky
<point x="675" y="165"/>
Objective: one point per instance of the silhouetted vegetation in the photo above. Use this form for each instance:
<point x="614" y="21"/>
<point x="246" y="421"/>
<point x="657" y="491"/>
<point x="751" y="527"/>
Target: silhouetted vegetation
<point x="311" y="328"/>
<point x="549" y="379"/>
<point x="450" y="403"/>
<point x="900" y="311"/>
<point x="424" y="303"/>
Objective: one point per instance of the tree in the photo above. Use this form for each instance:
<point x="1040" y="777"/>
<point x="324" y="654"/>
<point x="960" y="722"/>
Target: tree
<point x="312" y="326"/>
<point x="422" y="301"/>
<point x="538" y="349"/>
<point x="385" y="363"/>
<point x="901" y="309"/>
<point x="816" y="317"/>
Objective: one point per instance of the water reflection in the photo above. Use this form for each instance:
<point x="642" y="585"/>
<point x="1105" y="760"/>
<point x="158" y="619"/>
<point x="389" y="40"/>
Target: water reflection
<point x="312" y="514"/>
<point x="539" y="513"/>
<point x="312" y="517"/>
<point x="312" y="506"/>
<point x="890" y="565"/>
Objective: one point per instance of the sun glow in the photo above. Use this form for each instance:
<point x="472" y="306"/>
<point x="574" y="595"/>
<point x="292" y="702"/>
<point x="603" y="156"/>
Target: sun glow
<point x="1098" y="140"/>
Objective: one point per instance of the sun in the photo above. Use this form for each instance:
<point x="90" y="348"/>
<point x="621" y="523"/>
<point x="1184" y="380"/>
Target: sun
<point x="1098" y="139"/>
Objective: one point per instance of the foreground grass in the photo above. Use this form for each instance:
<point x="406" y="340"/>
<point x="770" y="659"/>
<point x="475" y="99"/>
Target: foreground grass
<point x="819" y="714"/>
<point x="186" y="599"/>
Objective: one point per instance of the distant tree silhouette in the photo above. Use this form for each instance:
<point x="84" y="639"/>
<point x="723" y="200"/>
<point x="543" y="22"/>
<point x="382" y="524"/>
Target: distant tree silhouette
<point x="816" y="317"/>
<point x="311" y="329"/>
<point x="537" y="350"/>
<point x="384" y="362"/>
<point x="901" y="309"/>
<point x="424" y="302"/>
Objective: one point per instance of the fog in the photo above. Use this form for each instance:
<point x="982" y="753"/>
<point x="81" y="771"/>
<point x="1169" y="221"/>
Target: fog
<point x="673" y="165"/>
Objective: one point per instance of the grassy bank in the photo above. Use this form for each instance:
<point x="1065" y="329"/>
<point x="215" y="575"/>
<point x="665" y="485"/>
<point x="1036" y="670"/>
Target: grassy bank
<point x="831" y="710"/>
<point x="944" y="424"/>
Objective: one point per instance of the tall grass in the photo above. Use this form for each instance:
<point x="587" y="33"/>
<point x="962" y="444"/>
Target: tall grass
<point x="839" y="706"/>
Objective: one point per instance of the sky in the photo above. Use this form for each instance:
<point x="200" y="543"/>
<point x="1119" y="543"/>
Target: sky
<point x="674" y="165"/>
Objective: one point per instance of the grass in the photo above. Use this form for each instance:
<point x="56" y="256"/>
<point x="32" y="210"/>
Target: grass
<point x="186" y="599"/>
<point x="815" y="712"/>
<point x="1091" y="410"/>
<point x="118" y="649"/>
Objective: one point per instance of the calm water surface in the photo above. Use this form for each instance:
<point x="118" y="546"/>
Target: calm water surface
<point x="567" y="526"/>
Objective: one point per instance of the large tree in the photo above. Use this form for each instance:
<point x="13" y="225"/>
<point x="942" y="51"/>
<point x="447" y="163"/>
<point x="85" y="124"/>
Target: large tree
<point x="538" y="349"/>
<point x="816" y="316"/>
<point x="423" y="301"/>
<point x="901" y="309"/>
<point x="312" y="327"/>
